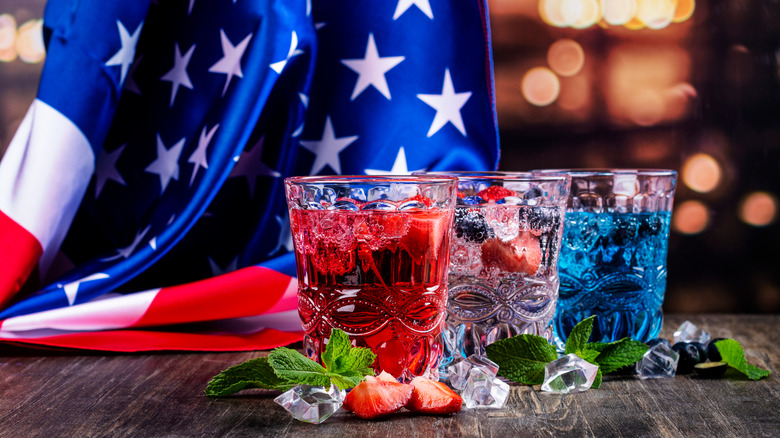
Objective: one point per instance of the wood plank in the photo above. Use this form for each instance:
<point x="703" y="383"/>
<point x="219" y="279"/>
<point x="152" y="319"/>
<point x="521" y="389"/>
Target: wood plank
<point x="93" y="395"/>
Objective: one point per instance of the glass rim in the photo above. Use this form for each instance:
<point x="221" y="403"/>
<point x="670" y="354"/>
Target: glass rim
<point x="500" y="175"/>
<point x="584" y="172"/>
<point x="370" y="179"/>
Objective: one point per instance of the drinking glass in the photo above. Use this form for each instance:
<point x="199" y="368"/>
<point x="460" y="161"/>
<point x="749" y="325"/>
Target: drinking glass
<point x="503" y="277"/>
<point x="613" y="256"/>
<point x="372" y="255"/>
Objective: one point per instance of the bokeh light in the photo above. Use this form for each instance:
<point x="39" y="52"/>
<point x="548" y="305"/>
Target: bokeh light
<point x="690" y="217"/>
<point x="656" y="14"/>
<point x="29" y="42"/>
<point x="618" y="12"/>
<point x="566" y="57"/>
<point x="758" y="209"/>
<point x="7" y="38"/>
<point x="701" y="173"/>
<point x="540" y="86"/>
<point x="684" y="10"/>
<point x="590" y="14"/>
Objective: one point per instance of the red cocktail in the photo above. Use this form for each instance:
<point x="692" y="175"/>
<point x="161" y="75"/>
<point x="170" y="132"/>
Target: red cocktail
<point x="372" y="256"/>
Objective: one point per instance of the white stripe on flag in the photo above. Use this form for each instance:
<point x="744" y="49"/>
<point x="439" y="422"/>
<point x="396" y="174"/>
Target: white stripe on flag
<point x="44" y="175"/>
<point x="100" y="314"/>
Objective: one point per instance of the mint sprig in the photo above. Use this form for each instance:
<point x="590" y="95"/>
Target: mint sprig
<point x="344" y="365"/>
<point x="523" y="358"/>
<point x="732" y="353"/>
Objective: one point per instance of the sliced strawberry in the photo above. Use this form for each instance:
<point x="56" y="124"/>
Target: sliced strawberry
<point x="430" y="397"/>
<point x="522" y="254"/>
<point x="495" y="193"/>
<point x="373" y="398"/>
<point x="424" y="199"/>
<point x="386" y="377"/>
<point x="461" y="194"/>
<point x="426" y="233"/>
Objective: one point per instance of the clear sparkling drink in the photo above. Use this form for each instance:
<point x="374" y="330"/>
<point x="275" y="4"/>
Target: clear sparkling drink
<point x="503" y="277"/>
<point x="374" y="264"/>
<point x="613" y="265"/>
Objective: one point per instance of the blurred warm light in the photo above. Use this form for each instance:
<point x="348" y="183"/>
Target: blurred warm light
<point x="575" y="93"/>
<point x="7" y="38"/>
<point x="566" y="57"/>
<point x="634" y="24"/>
<point x="656" y="14"/>
<point x="758" y="209"/>
<point x="29" y="42"/>
<point x="701" y="173"/>
<point x="637" y="79"/>
<point x="590" y="14"/>
<point x="551" y="12"/>
<point x="647" y="107"/>
<point x="618" y="12"/>
<point x="540" y="86"/>
<point x="677" y="98"/>
<point x="684" y="10"/>
<point x="690" y="217"/>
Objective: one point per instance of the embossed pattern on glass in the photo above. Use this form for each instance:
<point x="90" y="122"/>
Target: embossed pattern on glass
<point x="613" y="255"/>
<point x="372" y="257"/>
<point x="503" y="269"/>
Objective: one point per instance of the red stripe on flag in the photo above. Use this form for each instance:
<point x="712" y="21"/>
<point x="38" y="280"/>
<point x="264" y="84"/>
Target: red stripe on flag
<point x="246" y="292"/>
<point x="19" y="253"/>
<point x="130" y="341"/>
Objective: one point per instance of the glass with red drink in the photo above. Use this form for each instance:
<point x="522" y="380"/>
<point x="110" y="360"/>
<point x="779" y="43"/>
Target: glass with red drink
<point x="372" y="255"/>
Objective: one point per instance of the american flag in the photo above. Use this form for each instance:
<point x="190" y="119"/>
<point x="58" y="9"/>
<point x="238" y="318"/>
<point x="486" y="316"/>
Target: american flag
<point x="141" y="199"/>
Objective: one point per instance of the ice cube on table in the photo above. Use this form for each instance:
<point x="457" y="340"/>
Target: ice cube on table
<point x="688" y="332"/>
<point x="311" y="404"/>
<point x="459" y="371"/>
<point x="484" y="391"/>
<point x="569" y="373"/>
<point x="658" y="362"/>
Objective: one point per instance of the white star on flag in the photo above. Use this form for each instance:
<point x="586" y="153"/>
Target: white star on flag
<point x="294" y="51"/>
<point x="129" y="249"/>
<point x="216" y="270"/>
<point x="105" y="169"/>
<point x="327" y="149"/>
<point x="178" y="74"/>
<point x="251" y="166"/>
<point x="399" y="166"/>
<point x="166" y="165"/>
<point x="404" y="5"/>
<point x="72" y="288"/>
<point x="124" y="56"/>
<point x="198" y="157"/>
<point x="371" y="69"/>
<point x="447" y="106"/>
<point x="230" y="63"/>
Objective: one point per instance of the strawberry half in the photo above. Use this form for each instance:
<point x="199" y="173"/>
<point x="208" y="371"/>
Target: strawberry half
<point x="522" y="254"/>
<point x="426" y="233"/>
<point x="373" y="398"/>
<point x="495" y="193"/>
<point x="430" y="397"/>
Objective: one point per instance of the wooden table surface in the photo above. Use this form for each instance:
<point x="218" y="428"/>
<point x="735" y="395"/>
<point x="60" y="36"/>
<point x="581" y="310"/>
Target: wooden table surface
<point x="161" y="395"/>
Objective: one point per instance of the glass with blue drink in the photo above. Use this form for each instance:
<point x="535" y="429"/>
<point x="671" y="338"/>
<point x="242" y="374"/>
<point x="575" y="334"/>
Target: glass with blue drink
<point x="613" y="253"/>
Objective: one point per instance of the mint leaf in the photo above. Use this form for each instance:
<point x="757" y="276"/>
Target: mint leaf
<point x="338" y="346"/>
<point x="293" y="366"/>
<point x="619" y="354"/>
<point x="254" y="373"/>
<point x="522" y="358"/>
<point x="589" y="355"/>
<point x="357" y="359"/>
<point x="579" y="335"/>
<point x="732" y="353"/>
<point x="348" y="379"/>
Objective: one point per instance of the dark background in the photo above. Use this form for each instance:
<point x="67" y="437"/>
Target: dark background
<point x="700" y="95"/>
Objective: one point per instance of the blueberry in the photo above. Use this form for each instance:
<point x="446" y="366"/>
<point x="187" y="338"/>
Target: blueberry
<point x="471" y="225"/>
<point x="690" y="355"/>
<point x="652" y="343"/>
<point x="712" y="351"/>
<point x="473" y="200"/>
<point x="711" y="370"/>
